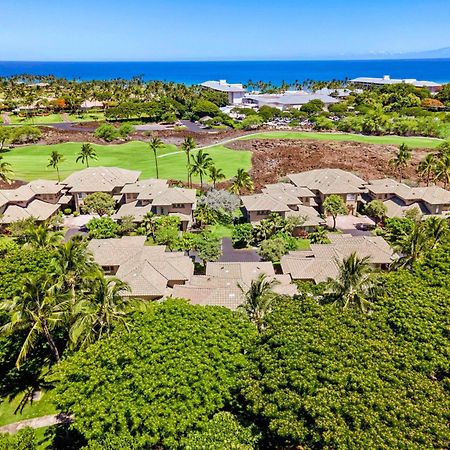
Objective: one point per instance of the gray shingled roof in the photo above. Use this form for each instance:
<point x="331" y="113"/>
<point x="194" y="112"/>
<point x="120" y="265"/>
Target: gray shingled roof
<point x="36" y="208"/>
<point x="223" y="86"/>
<point x="388" y="80"/>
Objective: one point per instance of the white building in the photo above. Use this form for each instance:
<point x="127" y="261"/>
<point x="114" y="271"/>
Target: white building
<point x="235" y="92"/>
<point x="386" y="79"/>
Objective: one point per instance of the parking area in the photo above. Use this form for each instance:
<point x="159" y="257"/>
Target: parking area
<point x="354" y="225"/>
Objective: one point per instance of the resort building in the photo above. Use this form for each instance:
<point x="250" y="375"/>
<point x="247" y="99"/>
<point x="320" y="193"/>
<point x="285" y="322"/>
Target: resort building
<point x="338" y="93"/>
<point x="368" y="82"/>
<point x="399" y="197"/>
<point x="110" y="180"/>
<point x="286" y="100"/>
<point x="150" y="271"/>
<point x="220" y="285"/>
<point x="325" y="182"/>
<point x="321" y="262"/>
<point x="235" y="92"/>
<point x="92" y="104"/>
<point x="40" y="199"/>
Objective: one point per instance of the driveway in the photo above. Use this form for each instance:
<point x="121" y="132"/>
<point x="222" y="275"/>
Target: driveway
<point x="230" y="254"/>
<point x="352" y="224"/>
<point x="76" y="225"/>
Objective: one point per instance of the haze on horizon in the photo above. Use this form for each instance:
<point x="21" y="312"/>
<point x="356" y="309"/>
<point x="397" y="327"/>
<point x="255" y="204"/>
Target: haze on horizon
<point x="156" y="30"/>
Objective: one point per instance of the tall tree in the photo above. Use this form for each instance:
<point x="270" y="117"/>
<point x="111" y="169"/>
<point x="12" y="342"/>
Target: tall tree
<point x="155" y="144"/>
<point x="39" y="309"/>
<point x="443" y="169"/>
<point x="241" y="181"/>
<point x="97" y="314"/>
<point x="6" y="172"/>
<point x="353" y="283"/>
<point x="201" y="162"/>
<point x="187" y="146"/>
<point x="258" y="299"/>
<point x="216" y="174"/>
<point x="87" y="152"/>
<point x="334" y="205"/>
<point x="427" y="167"/>
<point x="41" y="236"/>
<point x="401" y="160"/>
<point x="54" y="161"/>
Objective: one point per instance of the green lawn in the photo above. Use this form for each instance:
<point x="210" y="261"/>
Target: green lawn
<point x="221" y="231"/>
<point x="87" y="117"/>
<point x="39" y="408"/>
<point x="30" y="162"/>
<point x="35" y="120"/>
<point x="302" y="244"/>
<point x="414" y="142"/>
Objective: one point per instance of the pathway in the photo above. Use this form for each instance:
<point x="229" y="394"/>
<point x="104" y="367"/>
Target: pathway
<point x="226" y="141"/>
<point x="37" y="422"/>
<point x="6" y="119"/>
<point x="65" y="117"/>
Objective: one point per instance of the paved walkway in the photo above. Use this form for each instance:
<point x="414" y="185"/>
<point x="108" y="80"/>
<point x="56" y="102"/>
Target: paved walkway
<point x="230" y="254"/>
<point x="65" y="117"/>
<point x="37" y="422"/>
<point x="354" y="225"/>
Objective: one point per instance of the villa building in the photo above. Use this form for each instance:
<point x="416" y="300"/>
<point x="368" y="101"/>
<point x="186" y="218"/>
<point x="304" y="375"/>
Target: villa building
<point x="321" y="262"/>
<point x="235" y="92"/>
<point x="399" y="197"/>
<point x="40" y="199"/>
<point x="325" y="182"/>
<point x="368" y="82"/>
<point x="150" y="271"/>
<point x="221" y="286"/>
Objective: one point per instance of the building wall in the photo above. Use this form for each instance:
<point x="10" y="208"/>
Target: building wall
<point x="235" y="98"/>
<point x="49" y="198"/>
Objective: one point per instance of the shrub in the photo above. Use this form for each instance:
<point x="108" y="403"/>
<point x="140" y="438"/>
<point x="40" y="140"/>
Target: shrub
<point x="107" y="132"/>
<point x="242" y="235"/>
<point x="102" y="228"/>
<point x="67" y="211"/>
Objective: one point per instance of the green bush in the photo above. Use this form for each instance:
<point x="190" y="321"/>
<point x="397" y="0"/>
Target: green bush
<point x="67" y="211"/>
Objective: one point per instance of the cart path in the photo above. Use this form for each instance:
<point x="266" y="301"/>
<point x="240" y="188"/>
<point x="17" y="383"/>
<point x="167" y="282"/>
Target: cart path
<point x="37" y="422"/>
<point x="6" y="119"/>
<point x="226" y="141"/>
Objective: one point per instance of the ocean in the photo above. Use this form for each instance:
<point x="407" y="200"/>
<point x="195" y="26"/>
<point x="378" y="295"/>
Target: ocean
<point x="437" y="70"/>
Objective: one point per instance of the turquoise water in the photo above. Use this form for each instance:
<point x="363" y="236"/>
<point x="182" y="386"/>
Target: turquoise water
<point x="236" y="71"/>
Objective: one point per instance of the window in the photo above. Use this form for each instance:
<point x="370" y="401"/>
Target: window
<point x="351" y="197"/>
<point x="178" y="205"/>
<point x="262" y="213"/>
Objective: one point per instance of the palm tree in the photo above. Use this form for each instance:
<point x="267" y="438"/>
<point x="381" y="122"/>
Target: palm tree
<point x="442" y="170"/>
<point x="155" y="144"/>
<point x="412" y="245"/>
<point x="426" y="167"/>
<point x="258" y="299"/>
<point x="437" y="228"/>
<point x="204" y="215"/>
<point x="54" y="161"/>
<point x="353" y="283"/>
<point x="96" y="315"/>
<point x="6" y="173"/>
<point x="38" y="309"/>
<point x="215" y="175"/>
<point x="187" y="146"/>
<point x="73" y="264"/>
<point x="201" y="162"/>
<point x="241" y="181"/>
<point x="401" y="159"/>
<point x="87" y="152"/>
<point x="319" y="236"/>
<point x="42" y="237"/>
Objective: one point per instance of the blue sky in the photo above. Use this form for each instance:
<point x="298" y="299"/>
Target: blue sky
<point x="139" y="30"/>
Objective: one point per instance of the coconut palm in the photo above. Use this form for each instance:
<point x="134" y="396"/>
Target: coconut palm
<point x="204" y="215"/>
<point x="401" y="160"/>
<point x="258" y="299"/>
<point x="412" y="245"/>
<point x="155" y="144"/>
<point x="215" y="175"/>
<point x="438" y="229"/>
<point x="54" y="161"/>
<point x="87" y="152"/>
<point x="6" y="172"/>
<point x="39" y="309"/>
<point x="73" y="264"/>
<point x="427" y="167"/>
<point x="442" y="170"/>
<point x="42" y="237"/>
<point x="353" y="284"/>
<point x="96" y="315"/>
<point x="241" y="181"/>
<point x="201" y="162"/>
<point x="187" y="146"/>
